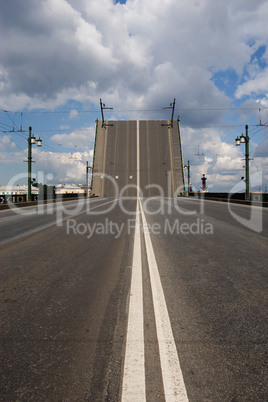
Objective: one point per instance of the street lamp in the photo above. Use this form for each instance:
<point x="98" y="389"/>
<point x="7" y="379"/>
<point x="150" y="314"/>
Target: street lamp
<point x="31" y="141"/>
<point x="188" y="168"/>
<point x="240" y="140"/>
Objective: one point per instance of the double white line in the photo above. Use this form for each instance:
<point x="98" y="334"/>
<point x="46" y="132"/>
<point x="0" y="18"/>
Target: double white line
<point x="134" y="384"/>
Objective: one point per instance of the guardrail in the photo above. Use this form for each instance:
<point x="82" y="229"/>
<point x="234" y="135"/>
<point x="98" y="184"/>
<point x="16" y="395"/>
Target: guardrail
<point x="241" y="202"/>
<point x="33" y="203"/>
<point x="254" y="202"/>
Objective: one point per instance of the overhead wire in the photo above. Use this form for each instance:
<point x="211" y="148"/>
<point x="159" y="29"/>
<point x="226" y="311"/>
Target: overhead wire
<point x="9" y="136"/>
<point x="131" y="110"/>
<point x="13" y="121"/>
<point x="212" y="150"/>
<point x="260" y="128"/>
<point x="217" y="148"/>
<point x="5" y="126"/>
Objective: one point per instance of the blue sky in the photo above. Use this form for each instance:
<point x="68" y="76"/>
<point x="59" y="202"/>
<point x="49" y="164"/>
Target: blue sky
<point x="137" y="57"/>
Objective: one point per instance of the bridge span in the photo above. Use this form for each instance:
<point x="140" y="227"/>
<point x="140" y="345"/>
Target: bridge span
<point x="143" y="153"/>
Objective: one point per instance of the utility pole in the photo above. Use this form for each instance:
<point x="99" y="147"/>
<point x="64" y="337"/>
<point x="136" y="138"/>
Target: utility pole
<point x="245" y="139"/>
<point x="172" y="106"/>
<point x="31" y="141"/>
<point x="102" y="105"/>
<point x="247" y="162"/>
<point x="87" y="169"/>
<point x="188" y="177"/>
<point x="188" y="168"/>
<point x="30" y="165"/>
<point x="262" y="125"/>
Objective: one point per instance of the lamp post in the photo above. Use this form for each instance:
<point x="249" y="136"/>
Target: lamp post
<point x="188" y="168"/>
<point x="87" y="169"/>
<point x="238" y="141"/>
<point x="31" y="141"/>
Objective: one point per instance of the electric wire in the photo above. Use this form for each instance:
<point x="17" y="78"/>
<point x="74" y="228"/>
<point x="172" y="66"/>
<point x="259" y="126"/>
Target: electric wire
<point x="132" y="110"/>
<point x="217" y="148"/>
<point x="212" y="150"/>
<point x="5" y="126"/>
<point x="13" y="141"/>
<point x="13" y="121"/>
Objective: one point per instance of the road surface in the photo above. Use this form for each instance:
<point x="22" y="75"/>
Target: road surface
<point x="121" y="143"/>
<point x="148" y="299"/>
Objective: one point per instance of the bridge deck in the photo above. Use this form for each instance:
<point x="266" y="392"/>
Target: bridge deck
<point x="160" y="159"/>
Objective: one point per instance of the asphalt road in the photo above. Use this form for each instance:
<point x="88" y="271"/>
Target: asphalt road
<point x="18" y="222"/>
<point x="101" y="306"/>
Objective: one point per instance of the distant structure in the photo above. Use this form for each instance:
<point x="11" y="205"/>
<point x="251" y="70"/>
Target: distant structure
<point x="133" y="154"/>
<point x="70" y="189"/>
<point x="16" y="193"/>
<point x="203" y="181"/>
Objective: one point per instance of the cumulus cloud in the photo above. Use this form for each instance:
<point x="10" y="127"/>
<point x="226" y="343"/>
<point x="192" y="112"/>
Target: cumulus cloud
<point x="57" y="166"/>
<point x="256" y="86"/>
<point x="6" y="143"/>
<point x="227" y="164"/>
<point x="77" y="139"/>
<point x="64" y="167"/>
<point x="54" y="47"/>
<point x="139" y="55"/>
<point x="73" y="114"/>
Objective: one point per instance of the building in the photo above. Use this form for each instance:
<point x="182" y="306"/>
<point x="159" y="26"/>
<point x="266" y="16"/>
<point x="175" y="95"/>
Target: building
<point x="74" y="189"/>
<point x="17" y="193"/>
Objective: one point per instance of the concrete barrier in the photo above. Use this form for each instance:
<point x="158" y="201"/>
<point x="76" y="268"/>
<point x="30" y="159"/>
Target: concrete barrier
<point x="33" y="203"/>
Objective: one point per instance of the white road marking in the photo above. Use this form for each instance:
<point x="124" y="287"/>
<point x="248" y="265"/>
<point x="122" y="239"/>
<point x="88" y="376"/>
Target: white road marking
<point x="138" y="158"/>
<point x="134" y="369"/>
<point x="134" y="384"/>
<point x="133" y="388"/>
<point x="174" y="387"/>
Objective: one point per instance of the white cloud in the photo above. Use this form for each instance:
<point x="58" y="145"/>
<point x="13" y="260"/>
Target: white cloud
<point x="208" y="153"/>
<point x="73" y="114"/>
<point x="139" y="55"/>
<point x="4" y="143"/>
<point x="227" y="164"/>
<point x="64" y="167"/>
<point x="142" y="48"/>
<point x="254" y="86"/>
<point x="77" y="139"/>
